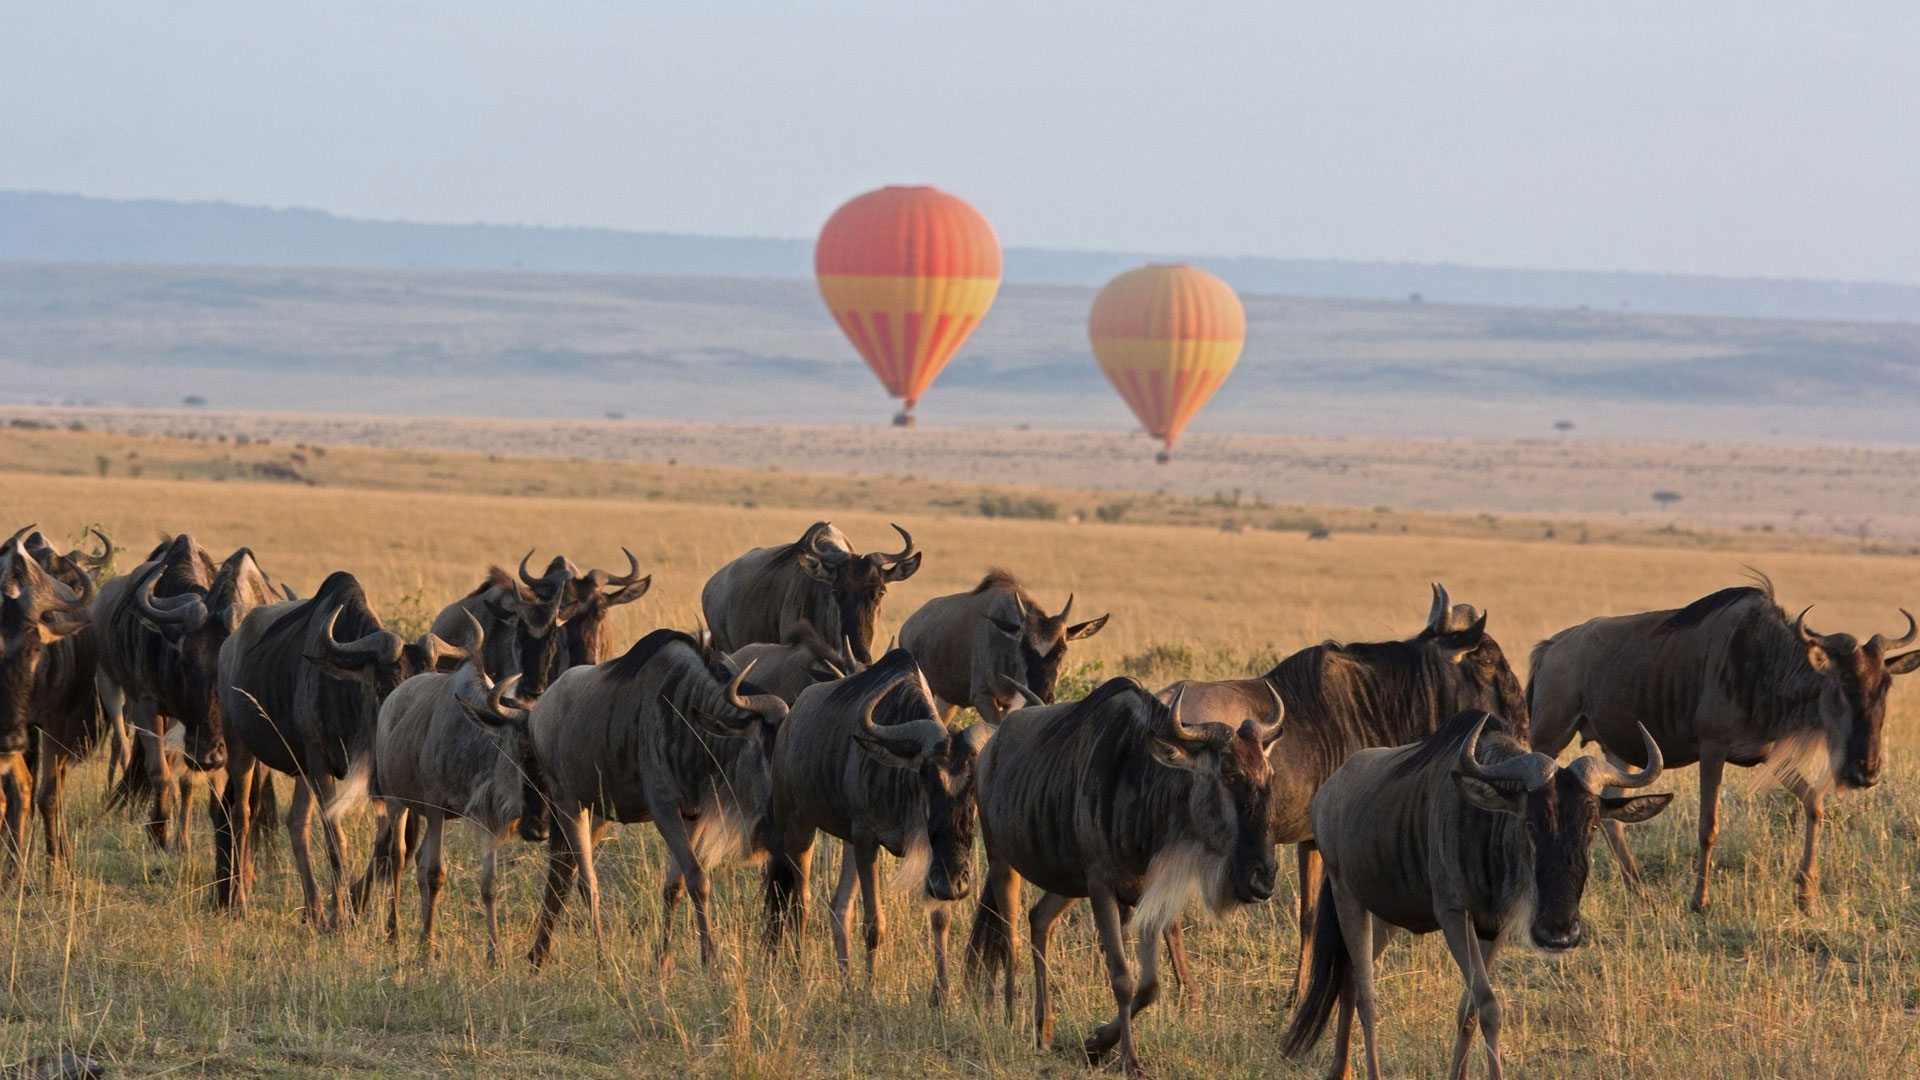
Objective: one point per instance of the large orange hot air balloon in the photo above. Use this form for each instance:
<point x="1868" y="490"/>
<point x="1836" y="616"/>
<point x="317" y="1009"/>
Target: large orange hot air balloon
<point x="1167" y="336"/>
<point x="908" y="272"/>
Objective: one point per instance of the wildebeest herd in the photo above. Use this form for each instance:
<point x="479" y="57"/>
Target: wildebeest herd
<point x="1418" y="779"/>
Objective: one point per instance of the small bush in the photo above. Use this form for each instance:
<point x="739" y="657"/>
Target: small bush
<point x="1019" y="506"/>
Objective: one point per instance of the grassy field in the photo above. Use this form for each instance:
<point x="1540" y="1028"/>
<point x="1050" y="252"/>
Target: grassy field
<point x="120" y="959"/>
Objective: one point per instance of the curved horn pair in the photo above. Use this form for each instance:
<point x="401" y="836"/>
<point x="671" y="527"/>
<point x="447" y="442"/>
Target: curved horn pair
<point x="547" y="587"/>
<point x="382" y="645"/>
<point x="1531" y="769"/>
<point x="768" y="707"/>
<point x="601" y="579"/>
<point x="498" y="710"/>
<point x="812" y="544"/>
<point x="1601" y="773"/>
<point x="185" y="613"/>
<point x="926" y="733"/>
<point x="1215" y="733"/>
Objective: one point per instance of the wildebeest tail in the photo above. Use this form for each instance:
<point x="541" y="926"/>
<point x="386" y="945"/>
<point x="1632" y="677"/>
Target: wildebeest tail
<point x="990" y="943"/>
<point x="535" y="810"/>
<point x="352" y="792"/>
<point x="263" y="825"/>
<point x="1535" y="661"/>
<point x="1332" y="967"/>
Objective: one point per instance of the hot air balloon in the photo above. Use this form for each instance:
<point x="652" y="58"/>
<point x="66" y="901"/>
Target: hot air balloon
<point x="907" y="272"/>
<point x="1166" y="336"/>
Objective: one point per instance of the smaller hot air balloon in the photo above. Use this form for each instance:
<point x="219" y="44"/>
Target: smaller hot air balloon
<point x="1166" y="335"/>
<point x="907" y="272"/>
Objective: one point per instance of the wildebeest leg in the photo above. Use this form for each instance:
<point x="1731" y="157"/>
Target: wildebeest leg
<point x="1308" y="856"/>
<point x="113" y="705"/>
<point x="1617" y="836"/>
<point x="49" y="795"/>
<point x="1479" y="1001"/>
<point x="1807" y="879"/>
<point x="866" y="851"/>
<point x="1467" y="1016"/>
<point x="840" y="911"/>
<point x="490" y="894"/>
<point x="1710" y="767"/>
<point x="939" y="917"/>
<point x="432" y="875"/>
<point x="149" y="727"/>
<point x="673" y="829"/>
<point x="563" y="845"/>
<point x="232" y="808"/>
<point x="590" y="883"/>
<point x="1146" y="992"/>
<point x="395" y="867"/>
<point x="299" y="832"/>
<point x="1046" y="911"/>
<point x="378" y="860"/>
<point x="1113" y="945"/>
<point x="1356" y="926"/>
<point x="1177" y="957"/>
<point x="16" y="796"/>
<point x="183" y="830"/>
<point x="335" y="836"/>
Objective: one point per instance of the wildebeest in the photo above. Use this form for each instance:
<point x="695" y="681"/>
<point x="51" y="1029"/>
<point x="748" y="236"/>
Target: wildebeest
<point x="37" y="611"/>
<point x="865" y="760"/>
<point x="799" y="661"/>
<point x="1122" y="799"/>
<point x="970" y="644"/>
<point x="668" y="732"/>
<point x="1340" y="698"/>
<point x="431" y="761"/>
<point x="1460" y="833"/>
<point x="523" y="621"/>
<point x="1728" y="679"/>
<point x="64" y="715"/>
<point x="760" y="596"/>
<point x="160" y="630"/>
<point x="300" y="685"/>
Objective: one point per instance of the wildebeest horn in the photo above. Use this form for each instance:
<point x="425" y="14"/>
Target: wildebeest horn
<point x="1211" y="734"/>
<point x="187" y="612"/>
<point x="552" y="583"/>
<point x="926" y="734"/>
<point x="601" y="579"/>
<point x="1437" y="614"/>
<point x="1531" y="769"/>
<point x="811" y="543"/>
<point x="905" y="552"/>
<point x="1065" y="609"/>
<point x="1265" y="731"/>
<point x="17" y="534"/>
<point x="90" y="561"/>
<point x="1021" y="688"/>
<point x="383" y="645"/>
<point x="476" y="645"/>
<point x="768" y="707"/>
<point x="1810" y="636"/>
<point x="1599" y="772"/>
<point x="1913" y="631"/>
<point x="497" y="711"/>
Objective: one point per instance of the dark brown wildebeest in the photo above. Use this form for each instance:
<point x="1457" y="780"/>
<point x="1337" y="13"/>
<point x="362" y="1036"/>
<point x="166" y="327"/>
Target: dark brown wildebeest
<point x="664" y="734"/>
<point x="803" y="659"/>
<point x="971" y="644"/>
<point x="65" y="714"/>
<point x="300" y="685"/>
<point x="160" y="630"/>
<point x="762" y="595"/>
<point x="866" y="761"/>
<point x="1340" y="698"/>
<point x="1725" y="680"/>
<point x="1458" y="833"/>
<point x="432" y="762"/>
<point x="38" y="614"/>
<point x="523" y="621"/>
<point x="1118" y="798"/>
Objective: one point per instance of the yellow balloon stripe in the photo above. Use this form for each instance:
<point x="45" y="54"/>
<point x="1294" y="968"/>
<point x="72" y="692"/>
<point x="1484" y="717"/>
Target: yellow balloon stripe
<point x="907" y="328"/>
<point x="1166" y="383"/>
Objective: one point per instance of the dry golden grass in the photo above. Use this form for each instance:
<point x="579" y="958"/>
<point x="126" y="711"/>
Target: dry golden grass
<point x="121" y="959"/>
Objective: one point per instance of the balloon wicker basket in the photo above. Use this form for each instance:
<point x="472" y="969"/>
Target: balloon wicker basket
<point x="904" y="418"/>
<point x="1163" y="457"/>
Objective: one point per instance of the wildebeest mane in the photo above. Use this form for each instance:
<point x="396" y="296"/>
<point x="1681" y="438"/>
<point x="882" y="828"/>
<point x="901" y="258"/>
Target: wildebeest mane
<point x="628" y="665"/>
<point x="1446" y="739"/>
<point x="855" y="689"/>
<point x="1704" y="608"/>
<point x="496" y="579"/>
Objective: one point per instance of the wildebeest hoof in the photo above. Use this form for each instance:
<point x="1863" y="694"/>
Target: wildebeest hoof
<point x="61" y="1066"/>
<point x="1099" y="1045"/>
<point x="1699" y="905"/>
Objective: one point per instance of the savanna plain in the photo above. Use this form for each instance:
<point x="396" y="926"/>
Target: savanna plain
<point x="118" y="956"/>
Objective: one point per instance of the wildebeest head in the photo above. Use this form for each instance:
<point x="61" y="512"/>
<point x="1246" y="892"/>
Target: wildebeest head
<point x="1560" y="809"/>
<point x="195" y="619"/>
<point x="589" y="597"/>
<point x="754" y="717"/>
<point x="375" y="659"/>
<point x="537" y="609"/>
<point x="1228" y="800"/>
<point x="857" y="583"/>
<point x="36" y="610"/>
<point x="494" y="706"/>
<point x="914" y="739"/>
<point x="1042" y="641"/>
<point x="1853" y="699"/>
<point x="1482" y="678"/>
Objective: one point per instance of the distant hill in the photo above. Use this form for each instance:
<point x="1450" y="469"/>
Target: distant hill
<point x="41" y="227"/>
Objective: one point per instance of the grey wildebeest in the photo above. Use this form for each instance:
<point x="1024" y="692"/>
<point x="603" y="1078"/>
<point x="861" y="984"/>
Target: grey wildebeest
<point x="866" y="760"/>
<point x="300" y="685"/>
<point x="523" y="621"/>
<point x="1466" y="832"/>
<point x="799" y="661"/>
<point x="1121" y="799"/>
<point x="971" y="644"/>
<point x="159" y="630"/>
<point x="431" y="761"/>
<point x="1728" y="679"/>
<point x="1342" y="697"/>
<point x="762" y="595"/>
<point x="38" y="613"/>
<point x="668" y="732"/>
<point x="64" y="715"/>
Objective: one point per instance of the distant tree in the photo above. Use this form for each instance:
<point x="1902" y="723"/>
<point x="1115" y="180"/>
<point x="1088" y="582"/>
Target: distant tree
<point x="1563" y="426"/>
<point x="1666" y="498"/>
<point x="103" y="464"/>
<point x="194" y="401"/>
<point x="1413" y="298"/>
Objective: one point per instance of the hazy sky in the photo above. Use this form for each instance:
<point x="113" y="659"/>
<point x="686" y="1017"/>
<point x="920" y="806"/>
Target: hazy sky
<point x="1754" y="137"/>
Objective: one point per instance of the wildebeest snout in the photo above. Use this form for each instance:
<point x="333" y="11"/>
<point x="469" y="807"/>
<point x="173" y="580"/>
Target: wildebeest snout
<point x="1555" y="939"/>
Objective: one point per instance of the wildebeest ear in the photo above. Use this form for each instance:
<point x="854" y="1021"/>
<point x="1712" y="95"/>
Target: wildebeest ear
<point x="1011" y="629"/>
<point x="631" y="593"/>
<point x="1459" y="643"/>
<point x="51" y="632"/>
<point x="1174" y="756"/>
<point x="975" y="738"/>
<point x="1087" y="629"/>
<point x="1633" y="809"/>
<point x="1486" y="796"/>
<point x="1818" y="660"/>
<point x="905" y="568"/>
<point x="814" y="568"/>
<point x="1903" y="664"/>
